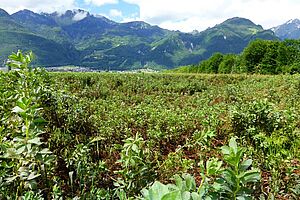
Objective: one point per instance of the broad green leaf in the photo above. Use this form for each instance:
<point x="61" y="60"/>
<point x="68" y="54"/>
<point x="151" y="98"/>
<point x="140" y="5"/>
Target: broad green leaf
<point x="36" y="141"/>
<point x="222" y="185"/>
<point x="22" y="103"/>
<point x="233" y="145"/>
<point x="202" y="191"/>
<point x="250" y="176"/>
<point x="196" y="196"/>
<point x="213" y="166"/>
<point x="244" y="191"/>
<point x="135" y="148"/>
<point x="145" y="193"/>
<point x="175" y="195"/>
<point x="186" y="195"/>
<point x="20" y="150"/>
<point x="190" y="183"/>
<point x="17" y="109"/>
<point x="39" y="121"/>
<point x="217" y="186"/>
<point x="229" y="177"/>
<point x="156" y="191"/>
<point x="245" y="164"/>
<point x="178" y="181"/>
<point x="225" y="150"/>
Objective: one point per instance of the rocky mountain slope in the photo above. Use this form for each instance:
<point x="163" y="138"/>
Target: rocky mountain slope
<point x="288" y="30"/>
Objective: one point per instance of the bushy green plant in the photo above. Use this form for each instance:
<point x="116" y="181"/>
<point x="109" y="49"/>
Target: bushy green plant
<point x="183" y="189"/>
<point x="174" y="163"/>
<point x="136" y="167"/>
<point x="237" y="175"/>
<point x="256" y="116"/>
<point x="231" y="182"/>
<point x="25" y="162"/>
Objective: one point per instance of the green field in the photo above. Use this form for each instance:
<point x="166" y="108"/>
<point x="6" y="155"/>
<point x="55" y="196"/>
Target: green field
<point x="109" y="135"/>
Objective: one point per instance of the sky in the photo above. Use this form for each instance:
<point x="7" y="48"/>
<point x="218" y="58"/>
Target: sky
<point x="182" y="15"/>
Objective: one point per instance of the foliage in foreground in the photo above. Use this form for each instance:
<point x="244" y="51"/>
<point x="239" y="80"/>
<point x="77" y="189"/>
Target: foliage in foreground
<point x="217" y="182"/>
<point x="25" y="159"/>
<point x="109" y="136"/>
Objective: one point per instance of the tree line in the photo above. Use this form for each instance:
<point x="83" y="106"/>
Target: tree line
<point x="260" y="56"/>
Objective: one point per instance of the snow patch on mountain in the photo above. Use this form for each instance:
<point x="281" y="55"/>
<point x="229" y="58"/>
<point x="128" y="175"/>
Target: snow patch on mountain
<point x="288" y="30"/>
<point x="80" y="15"/>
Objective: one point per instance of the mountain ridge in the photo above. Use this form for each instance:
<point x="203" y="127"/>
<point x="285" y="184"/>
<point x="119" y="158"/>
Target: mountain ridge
<point x="3" y="13"/>
<point x="288" y="30"/>
<point x="100" y="43"/>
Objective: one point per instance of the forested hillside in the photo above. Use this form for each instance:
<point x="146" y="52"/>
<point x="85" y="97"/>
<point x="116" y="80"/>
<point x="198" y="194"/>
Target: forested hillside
<point x="260" y="56"/>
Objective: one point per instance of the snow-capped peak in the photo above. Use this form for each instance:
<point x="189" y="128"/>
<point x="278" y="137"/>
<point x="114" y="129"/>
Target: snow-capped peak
<point x="290" y="21"/>
<point x="293" y="21"/>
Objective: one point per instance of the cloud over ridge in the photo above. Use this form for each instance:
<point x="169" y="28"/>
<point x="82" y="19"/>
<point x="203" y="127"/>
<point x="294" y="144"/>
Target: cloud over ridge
<point x="183" y="15"/>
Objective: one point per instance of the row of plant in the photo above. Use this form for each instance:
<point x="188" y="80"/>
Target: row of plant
<point x="147" y="136"/>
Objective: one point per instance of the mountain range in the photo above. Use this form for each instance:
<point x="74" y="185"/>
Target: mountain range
<point x="288" y="30"/>
<point x="79" y="38"/>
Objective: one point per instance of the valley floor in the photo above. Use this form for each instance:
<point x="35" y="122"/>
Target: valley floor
<point x="113" y="134"/>
<point x="181" y="120"/>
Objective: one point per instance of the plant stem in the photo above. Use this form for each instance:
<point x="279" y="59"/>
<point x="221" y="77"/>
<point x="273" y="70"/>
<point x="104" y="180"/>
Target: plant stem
<point x="238" y="181"/>
<point x="27" y="128"/>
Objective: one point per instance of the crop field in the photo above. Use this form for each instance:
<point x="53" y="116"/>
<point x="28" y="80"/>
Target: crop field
<point x="148" y="135"/>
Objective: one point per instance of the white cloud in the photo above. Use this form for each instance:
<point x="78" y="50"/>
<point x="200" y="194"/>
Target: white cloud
<point x="184" y="15"/>
<point x="115" y="13"/>
<point x="187" y="15"/>
<point x="80" y="15"/>
<point x="101" y="2"/>
<point x="12" y="6"/>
